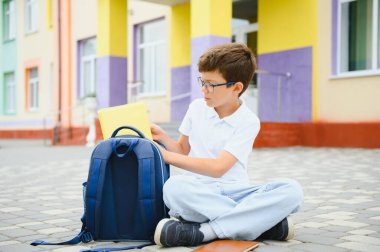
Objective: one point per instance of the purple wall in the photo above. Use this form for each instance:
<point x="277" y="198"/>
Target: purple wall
<point x="198" y="46"/>
<point x="296" y="92"/>
<point x="180" y="85"/>
<point x="111" y="81"/>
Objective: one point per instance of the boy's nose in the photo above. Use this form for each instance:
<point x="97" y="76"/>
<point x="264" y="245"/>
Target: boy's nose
<point x="204" y="89"/>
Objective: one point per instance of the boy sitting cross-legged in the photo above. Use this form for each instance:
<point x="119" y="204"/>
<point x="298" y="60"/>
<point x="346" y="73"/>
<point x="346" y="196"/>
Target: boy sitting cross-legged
<point x="214" y="199"/>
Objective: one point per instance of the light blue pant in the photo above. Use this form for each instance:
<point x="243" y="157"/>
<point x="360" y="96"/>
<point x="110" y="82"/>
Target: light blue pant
<point x="234" y="211"/>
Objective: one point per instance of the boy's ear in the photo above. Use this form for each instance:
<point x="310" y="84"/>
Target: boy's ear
<point x="238" y="87"/>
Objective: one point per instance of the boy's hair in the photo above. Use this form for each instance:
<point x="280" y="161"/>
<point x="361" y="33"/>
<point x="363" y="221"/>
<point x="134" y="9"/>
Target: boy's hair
<point x="233" y="60"/>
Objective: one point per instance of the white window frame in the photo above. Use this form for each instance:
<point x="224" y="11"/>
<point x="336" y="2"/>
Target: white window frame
<point x="152" y="60"/>
<point x="10" y="92"/>
<point x="375" y="69"/>
<point x="33" y="83"/>
<point x="83" y="60"/>
<point x="10" y="15"/>
<point x="31" y="16"/>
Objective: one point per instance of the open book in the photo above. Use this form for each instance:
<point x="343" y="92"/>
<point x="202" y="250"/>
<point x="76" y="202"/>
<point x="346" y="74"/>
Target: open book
<point x="133" y="114"/>
<point x="228" y="246"/>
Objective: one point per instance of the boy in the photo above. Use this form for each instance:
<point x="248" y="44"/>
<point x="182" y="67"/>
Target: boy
<point x="214" y="199"/>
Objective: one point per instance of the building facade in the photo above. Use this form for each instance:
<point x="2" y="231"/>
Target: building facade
<point x="317" y="82"/>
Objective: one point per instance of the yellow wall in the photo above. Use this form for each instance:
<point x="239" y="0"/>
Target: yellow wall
<point x="353" y="99"/>
<point x="286" y="24"/>
<point x="211" y="17"/>
<point x="112" y="28"/>
<point x="180" y="35"/>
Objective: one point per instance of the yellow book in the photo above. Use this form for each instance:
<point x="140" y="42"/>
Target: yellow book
<point x="133" y="114"/>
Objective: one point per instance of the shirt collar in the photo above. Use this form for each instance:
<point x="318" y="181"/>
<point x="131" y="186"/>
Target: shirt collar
<point x="232" y="119"/>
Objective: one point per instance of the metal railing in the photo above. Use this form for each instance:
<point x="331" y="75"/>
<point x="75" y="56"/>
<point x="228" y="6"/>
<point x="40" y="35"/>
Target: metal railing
<point x="281" y="79"/>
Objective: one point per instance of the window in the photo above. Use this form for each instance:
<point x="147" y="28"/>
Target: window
<point x="31" y="17"/>
<point x="9" y="20"/>
<point x="87" y="67"/>
<point x="152" y="58"/>
<point x="10" y="93"/>
<point x="358" y="36"/>
<point x="33" y="89"/>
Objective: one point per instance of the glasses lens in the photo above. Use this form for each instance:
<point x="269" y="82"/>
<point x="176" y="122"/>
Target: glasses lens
<point x="206" y="85"/>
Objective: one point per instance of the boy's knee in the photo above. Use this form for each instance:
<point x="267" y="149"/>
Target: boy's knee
<point x="296" y="191"/>
<point x="175" y="188"/>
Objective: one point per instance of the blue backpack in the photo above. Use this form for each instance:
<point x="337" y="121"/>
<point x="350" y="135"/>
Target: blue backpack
<point x="123" y="193"/>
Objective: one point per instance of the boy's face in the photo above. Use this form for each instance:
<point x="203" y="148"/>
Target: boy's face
<point x="219" y="95"/>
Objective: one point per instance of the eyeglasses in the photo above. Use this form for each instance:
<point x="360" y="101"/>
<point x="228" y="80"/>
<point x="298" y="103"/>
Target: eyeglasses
<point x="210" y="87"/>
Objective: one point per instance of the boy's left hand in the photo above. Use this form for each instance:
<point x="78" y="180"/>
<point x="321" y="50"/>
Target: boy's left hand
<point x="163" y="151"/>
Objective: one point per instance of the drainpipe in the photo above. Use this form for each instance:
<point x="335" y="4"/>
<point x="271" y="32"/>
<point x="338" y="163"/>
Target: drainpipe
<point x="56" y="136"/>
<point x="59" y="64"/>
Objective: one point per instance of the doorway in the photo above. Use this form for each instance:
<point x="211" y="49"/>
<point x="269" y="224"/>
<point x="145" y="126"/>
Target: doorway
<point x="245" y="32"/>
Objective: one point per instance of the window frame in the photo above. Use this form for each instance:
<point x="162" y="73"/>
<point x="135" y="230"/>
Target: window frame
<point x="375" y="63"/>
<point x="8" y="84"/>
<point x="31" y="14"/>
<point x="152" y="59"/>
<point x="33" y="89"/>
<point x="9" y="33"/>
<point x="83" y="59"/>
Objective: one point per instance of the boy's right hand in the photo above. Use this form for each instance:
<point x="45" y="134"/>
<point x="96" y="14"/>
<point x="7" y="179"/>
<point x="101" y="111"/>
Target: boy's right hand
<point x="158" y="133"/>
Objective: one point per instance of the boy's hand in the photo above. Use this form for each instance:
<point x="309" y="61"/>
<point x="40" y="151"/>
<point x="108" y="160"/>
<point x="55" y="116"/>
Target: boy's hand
<point x="157" y="132"/>
<point x="163" y="151"/>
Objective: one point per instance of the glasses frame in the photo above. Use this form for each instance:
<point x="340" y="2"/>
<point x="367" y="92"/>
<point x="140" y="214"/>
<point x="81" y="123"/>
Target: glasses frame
<point x="202" y="83"/>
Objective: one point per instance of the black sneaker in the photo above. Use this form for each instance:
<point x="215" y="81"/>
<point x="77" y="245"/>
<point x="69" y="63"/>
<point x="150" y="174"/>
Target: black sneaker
<point x="172" y="233"/>
<point x="283" y="231"/>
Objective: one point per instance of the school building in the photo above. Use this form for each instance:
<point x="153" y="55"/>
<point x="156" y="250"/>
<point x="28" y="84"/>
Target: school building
<point x="317" y="83"/>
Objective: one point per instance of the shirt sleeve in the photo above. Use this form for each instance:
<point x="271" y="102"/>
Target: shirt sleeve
<point x="241" y="142"/>
<point x="185" y="127"/>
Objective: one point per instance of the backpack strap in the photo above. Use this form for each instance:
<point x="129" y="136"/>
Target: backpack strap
<point x="117" y="249"/>
<point x="94" y="191"/>
<point x="83" y="236"/>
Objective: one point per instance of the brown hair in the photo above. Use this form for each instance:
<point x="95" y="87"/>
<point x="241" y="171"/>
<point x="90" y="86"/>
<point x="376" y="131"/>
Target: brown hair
<point x="233" y="60"/>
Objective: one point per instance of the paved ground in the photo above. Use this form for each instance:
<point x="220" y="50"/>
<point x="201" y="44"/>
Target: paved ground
<point x="41" y="197"/>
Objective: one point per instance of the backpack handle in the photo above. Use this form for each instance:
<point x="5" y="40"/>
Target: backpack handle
<point x="130" y="128"/>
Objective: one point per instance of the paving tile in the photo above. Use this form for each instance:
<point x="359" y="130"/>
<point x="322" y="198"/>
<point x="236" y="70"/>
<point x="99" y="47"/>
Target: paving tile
<point x="9" y="242"/>
<point x="362" y="239"/>
<point x="356" y="246"/>
<point x="18" y="232"/>
<point x="313" y="224"/>
<point x="347" y="223"/>
<point x="374" y="209"/>
<point x="362" y="232"/>
<point x="55" y="221"/>
<point x="10" y="209"/>
<point x="318" y="239"/>
<point x="158" y="248"/>
<point x="19" y="248"/>
<point x="328" y="207"/>
<point x="27" y="224"/>
<point x="52" y="230"/>
<point x="54" y="212"/>
<point x="316" y="248"/>
<point x="335" y="217"/>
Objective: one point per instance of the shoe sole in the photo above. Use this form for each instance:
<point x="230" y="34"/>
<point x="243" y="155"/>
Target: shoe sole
<point x="291" y="229"/>
<point x="157" y="232"/>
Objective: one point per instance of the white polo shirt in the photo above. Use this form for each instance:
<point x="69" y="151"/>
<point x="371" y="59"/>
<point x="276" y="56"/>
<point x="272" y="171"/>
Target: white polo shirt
<point x="209" y="135"/>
